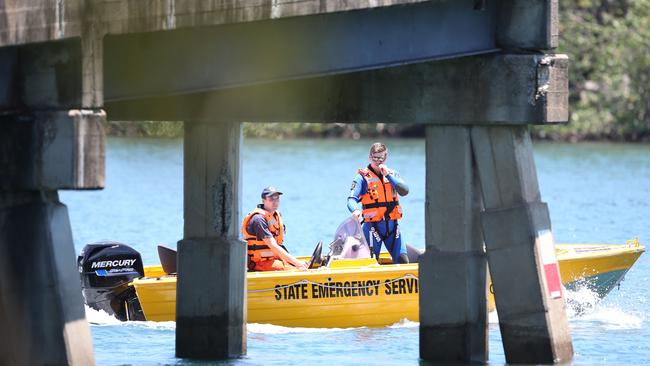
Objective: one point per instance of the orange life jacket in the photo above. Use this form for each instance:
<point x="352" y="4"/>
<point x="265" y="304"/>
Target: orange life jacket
<point x="380" y="201"/>
<point x="257" y="249"/>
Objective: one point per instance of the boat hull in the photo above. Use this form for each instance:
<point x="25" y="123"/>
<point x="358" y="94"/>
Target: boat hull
<point x="598" y="267"/>
<point x="356" y="293"/>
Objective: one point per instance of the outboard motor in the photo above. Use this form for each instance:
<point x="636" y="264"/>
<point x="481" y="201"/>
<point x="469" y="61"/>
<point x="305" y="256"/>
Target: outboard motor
<point x="106" y="269"/>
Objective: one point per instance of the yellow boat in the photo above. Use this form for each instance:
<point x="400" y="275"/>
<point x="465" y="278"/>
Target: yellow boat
<point x="363" y="292"/>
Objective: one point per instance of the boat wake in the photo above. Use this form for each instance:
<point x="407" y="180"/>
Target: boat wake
<point x="581" y="309"/>
<point x="277" y="329"/>
<point x="612" y="318"/>
<point x="405" y="323"/>
<point x="580" y="300"/>
<point x="584" y="307"/>
<point x="102" y="318"/>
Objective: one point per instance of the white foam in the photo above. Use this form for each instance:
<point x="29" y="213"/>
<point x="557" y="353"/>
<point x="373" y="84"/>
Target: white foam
<point x="277" y="329"/>
<point x="493" y="317"/>
<point x="102" y="318"/>
<point x="170" y="325"/>
<point x="405" y="323"/>
<point x="585" y="307"/>
<point x="613" y="318"/>
<point x="580" y="301"/>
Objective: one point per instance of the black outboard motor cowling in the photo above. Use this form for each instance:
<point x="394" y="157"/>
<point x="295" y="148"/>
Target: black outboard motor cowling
<point x="106" y="269"/>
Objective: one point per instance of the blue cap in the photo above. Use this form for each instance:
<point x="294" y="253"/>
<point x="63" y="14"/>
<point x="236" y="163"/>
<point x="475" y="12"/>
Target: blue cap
<point x="269" y="191"/>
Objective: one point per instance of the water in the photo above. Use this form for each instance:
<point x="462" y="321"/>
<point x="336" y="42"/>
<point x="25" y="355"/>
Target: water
<point x="597" y="193"/>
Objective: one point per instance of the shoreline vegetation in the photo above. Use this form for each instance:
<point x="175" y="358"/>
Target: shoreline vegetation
<point x="609" y="85"/>
<point x="281" y="131"/>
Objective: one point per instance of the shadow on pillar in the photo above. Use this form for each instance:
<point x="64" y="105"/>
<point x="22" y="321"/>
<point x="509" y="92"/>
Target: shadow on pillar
<point x="453" y="306"/>
<point x="495" y="163"/>
<point x="210" y="308"/>
<point x="517" y="233"/>
<point x="211" y="283"/>
<point x="42" y="317"/>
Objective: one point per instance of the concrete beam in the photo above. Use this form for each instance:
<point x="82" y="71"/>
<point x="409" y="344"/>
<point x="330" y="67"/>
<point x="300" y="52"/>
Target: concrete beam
<point x="62" y="74"/>
<point x="453" y="305"/>
<point x="497" y="89"/>
<point x="527" y="25"/>
<point x="211" y="288"/>
<point x="292" y="48"/>
<point x="132" y="16"/>
<point x="524" y="24"/>
<point x="41" y="76"/>
<point x="52" y="150"/>
<point x="517" y="233"/>
<point x="32" y="21"/>
<point x="42" y="318"/>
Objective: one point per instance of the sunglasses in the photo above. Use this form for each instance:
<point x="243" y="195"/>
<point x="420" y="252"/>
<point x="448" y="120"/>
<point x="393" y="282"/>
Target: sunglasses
<point x="378" y="157"/>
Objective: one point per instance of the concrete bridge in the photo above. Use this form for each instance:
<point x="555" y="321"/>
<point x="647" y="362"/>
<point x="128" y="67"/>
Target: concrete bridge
<point x="475" y="72"/>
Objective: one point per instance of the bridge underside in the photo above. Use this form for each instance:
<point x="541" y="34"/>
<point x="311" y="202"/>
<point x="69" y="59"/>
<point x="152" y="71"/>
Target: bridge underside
<point x="491" y="89"/>
<point x="195" y="60"/>
<point x="475" y="71"/>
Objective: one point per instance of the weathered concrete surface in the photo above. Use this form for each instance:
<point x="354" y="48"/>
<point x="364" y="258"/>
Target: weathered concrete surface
<point x="499" y="89"/>
<point x="61" y="74"/>
<point x="50" y="150"/>
<point x="212" y="180"/>
<point x="211" y="288"/>
<point x="210" y="298"/>
<point x="527" y="25"/>
<point x="516" y="229"/>
<point x="41" y="76"/>
<point x="130" y="16"/>
<point x="453" y="307"/>
<point x="533" y="323"/>
<point x="47" y="142"/>
<point x="506" y="165"/>
<point x="42" y="318"/>
<point x="31" y="21"/>
<point x="92" y="67"/>
<point x="293" y="48"/>
<point x="522" y="26"/>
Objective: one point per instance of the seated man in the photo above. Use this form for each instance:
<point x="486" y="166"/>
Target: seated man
<point x="263" y="231"/>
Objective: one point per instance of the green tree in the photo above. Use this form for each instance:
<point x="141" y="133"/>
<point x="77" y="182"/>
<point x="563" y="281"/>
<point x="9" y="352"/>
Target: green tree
<point x="608" y="42"/>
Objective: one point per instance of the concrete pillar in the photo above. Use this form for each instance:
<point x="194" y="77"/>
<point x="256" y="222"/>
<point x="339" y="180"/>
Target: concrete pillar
<point x="211" y="288"/>
<point x="42" y="318"/>
<point x="453" y="326"/>
<point x="520" y="249"/>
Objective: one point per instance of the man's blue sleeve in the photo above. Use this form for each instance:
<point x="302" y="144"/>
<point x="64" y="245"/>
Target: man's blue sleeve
<point x="398" y="183"/>
<point x="357" y="189"/>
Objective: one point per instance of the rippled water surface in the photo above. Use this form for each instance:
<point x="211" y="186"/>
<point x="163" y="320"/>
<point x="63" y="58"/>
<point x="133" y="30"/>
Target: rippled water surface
<point x="597" y="193"/>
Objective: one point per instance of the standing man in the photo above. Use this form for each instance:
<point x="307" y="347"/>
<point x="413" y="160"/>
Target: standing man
<point x="374" y="196"/>
<point x="263" y="231"/>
